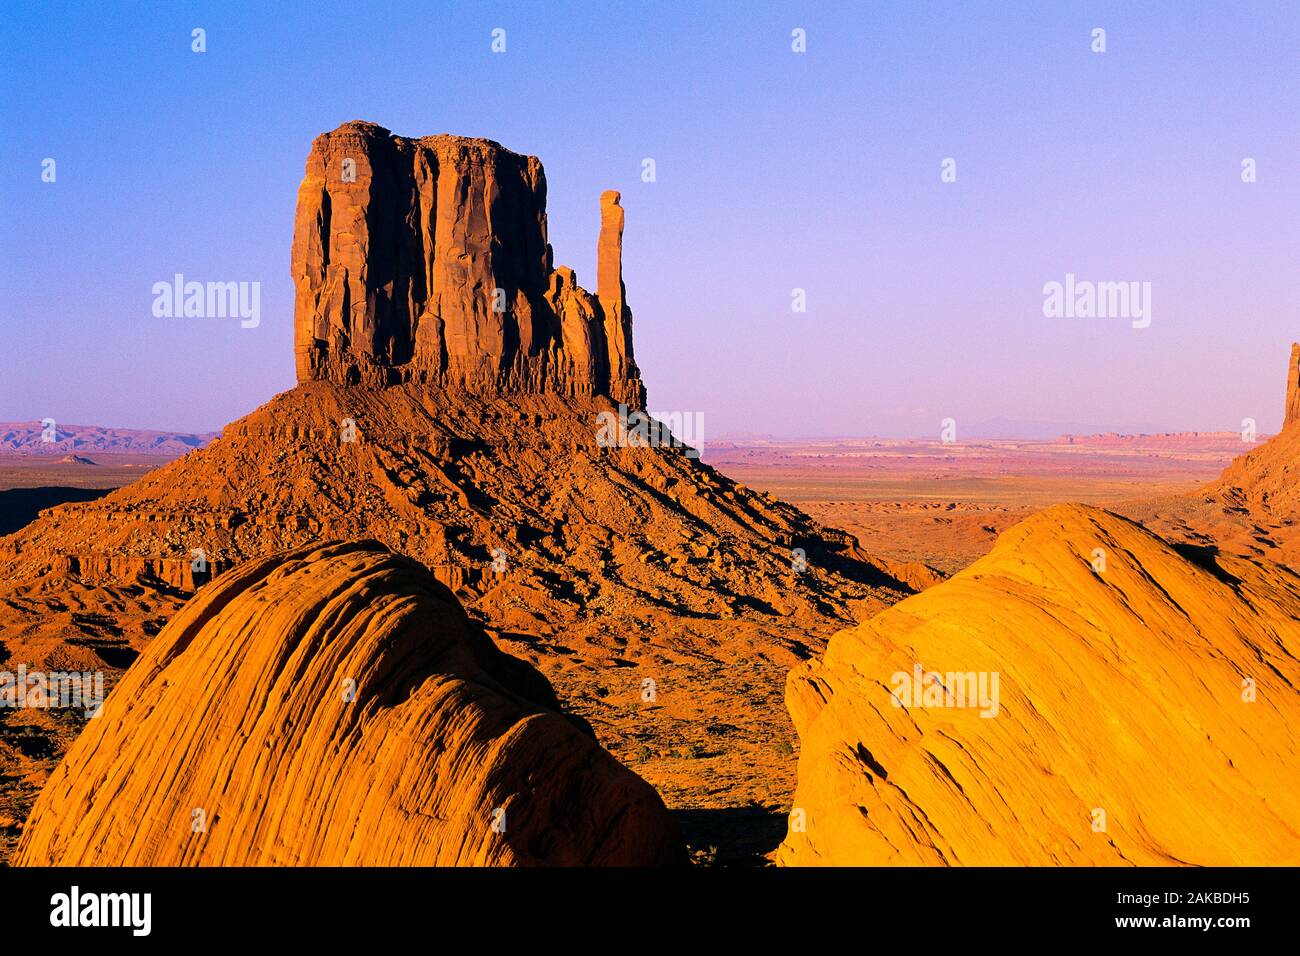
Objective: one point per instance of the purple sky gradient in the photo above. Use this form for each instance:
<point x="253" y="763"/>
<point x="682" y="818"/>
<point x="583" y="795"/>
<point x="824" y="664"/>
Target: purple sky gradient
<point x="776" y="170"/>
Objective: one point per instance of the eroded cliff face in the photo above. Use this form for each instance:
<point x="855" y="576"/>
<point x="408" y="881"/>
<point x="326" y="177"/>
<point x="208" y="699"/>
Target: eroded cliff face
<point x="426" y="260"/>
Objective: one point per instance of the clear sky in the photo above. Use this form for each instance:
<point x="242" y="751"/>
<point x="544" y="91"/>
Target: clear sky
<point x="776" y="170"/>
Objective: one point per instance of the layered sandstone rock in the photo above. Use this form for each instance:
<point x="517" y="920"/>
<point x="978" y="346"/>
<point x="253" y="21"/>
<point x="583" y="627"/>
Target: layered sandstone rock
<point x="426" y="260"/>
<point x="1143" y="714"/>
<point x="334" y="706"/>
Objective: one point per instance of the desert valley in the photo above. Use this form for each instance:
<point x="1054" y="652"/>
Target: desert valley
<point x="418" y="609"/>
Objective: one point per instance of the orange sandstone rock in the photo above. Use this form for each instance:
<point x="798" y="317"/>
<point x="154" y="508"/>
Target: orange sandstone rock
<point x="610" y="290"/>
<point x="334" y="706"/>
<point x="1144" y="711"/>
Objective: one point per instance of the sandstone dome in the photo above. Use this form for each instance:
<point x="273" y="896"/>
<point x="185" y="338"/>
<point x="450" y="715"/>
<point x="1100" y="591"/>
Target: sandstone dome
<point x="1145" y="713"/>
<point x="335" y="706"/>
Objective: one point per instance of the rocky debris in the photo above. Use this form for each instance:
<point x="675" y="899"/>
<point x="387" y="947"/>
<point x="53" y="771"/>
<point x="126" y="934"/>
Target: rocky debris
<point x="617" y="566"/>
<point x="1143" y="712"/>
<point x="388" y="730"/>
<point x="427" y="260"/>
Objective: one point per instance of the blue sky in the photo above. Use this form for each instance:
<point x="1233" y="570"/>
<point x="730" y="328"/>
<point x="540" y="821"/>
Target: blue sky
<point x="775" y="170"/>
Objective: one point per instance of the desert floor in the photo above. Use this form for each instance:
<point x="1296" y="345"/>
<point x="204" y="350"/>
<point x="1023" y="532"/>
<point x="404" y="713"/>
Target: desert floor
<point x="942" y="505"/>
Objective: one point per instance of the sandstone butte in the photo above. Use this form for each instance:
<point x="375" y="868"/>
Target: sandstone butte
<point x="427" y="260"/>
<point x="659" y="597"/>
<point x="1148" y="695"/>
<point x="335" y="706"/>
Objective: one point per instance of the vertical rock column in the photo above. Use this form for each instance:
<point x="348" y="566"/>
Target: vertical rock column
<point x="612" y="295"/>
<point x="1293" y="388"/>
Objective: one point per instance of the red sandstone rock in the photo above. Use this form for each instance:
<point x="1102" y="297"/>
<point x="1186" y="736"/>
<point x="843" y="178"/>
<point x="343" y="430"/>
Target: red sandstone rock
<point x="426" y="260"/>
<point x="1266" y="481"/>
<point x="1293" y="388"/>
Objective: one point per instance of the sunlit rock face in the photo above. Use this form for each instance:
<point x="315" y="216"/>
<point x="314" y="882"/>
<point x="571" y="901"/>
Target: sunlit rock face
<point x="1098" y="698"/>
<point x="426" y="260"/>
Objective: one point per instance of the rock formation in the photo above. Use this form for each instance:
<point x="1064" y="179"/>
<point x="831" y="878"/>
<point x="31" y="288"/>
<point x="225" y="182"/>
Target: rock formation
<point x="426" y="260"/>
<point x="604" y="567"/>
<point x="335" y="707"/>
<point x="660" y="598"/>
<point x="1293" y="388"/>
<point x="1144" y="711"/>
<point x="1253" y="509"/>
<point x="610" y="290"/>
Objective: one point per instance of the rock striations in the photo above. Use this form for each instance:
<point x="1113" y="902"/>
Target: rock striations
<point x="426" y="260"/>
<point x="334" y="706"/>
<point x="1143" y="711"/>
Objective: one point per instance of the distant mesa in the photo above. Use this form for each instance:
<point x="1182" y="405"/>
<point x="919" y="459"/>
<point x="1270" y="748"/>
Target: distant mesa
<point x="76" y="460"/>
<point x="427" y="260"/>
<point x="1144" y="713"/>
<point x="387" y="730"/>
<point x="1181" y="439"/>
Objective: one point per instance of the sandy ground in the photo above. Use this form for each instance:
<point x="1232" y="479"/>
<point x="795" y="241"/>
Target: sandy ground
<point x="944" y="505"/>
<point x="29" y="484"/>
<point x="905" y="500"/>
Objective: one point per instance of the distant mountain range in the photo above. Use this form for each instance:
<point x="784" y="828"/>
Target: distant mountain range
<point x="35" y="438"/>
